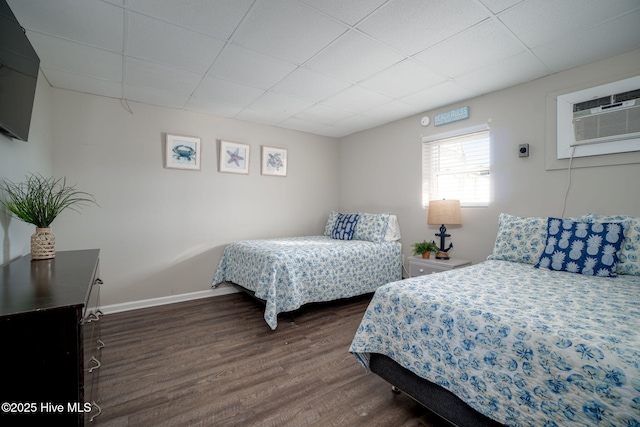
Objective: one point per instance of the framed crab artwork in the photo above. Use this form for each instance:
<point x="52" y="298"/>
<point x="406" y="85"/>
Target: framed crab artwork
<point x="234" y="157"/>
<point x="274" y="161"/>
<point x="182" y="152"/>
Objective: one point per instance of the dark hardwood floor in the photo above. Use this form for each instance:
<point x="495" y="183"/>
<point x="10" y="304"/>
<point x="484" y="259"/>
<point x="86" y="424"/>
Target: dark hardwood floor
<point x="215" y="362"/>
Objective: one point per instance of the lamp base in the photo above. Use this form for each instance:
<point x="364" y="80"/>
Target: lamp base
<point x="442" y="255"/>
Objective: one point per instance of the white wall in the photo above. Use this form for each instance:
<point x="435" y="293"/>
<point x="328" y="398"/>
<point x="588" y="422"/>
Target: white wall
<point x="161" y="231"/>
<point x="20" y="158"/>
<point x="381" y="168"/>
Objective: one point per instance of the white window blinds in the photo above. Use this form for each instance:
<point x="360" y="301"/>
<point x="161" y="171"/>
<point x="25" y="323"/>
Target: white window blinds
<point x="457" y="167"/>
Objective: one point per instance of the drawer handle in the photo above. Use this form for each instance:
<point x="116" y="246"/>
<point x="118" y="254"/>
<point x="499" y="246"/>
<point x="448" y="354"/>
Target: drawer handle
<point x="94" y="404"/>
<point x="94" y="317"/>
<point x="100" y="345"/>
<point x="96" y="361"/>
<point x="422" y="270"/>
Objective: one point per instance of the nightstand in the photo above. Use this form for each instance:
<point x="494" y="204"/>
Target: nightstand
<point x="419" y="266"/>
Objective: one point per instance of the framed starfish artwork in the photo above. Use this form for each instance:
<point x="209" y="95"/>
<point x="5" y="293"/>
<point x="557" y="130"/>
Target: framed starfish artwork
<point x="182" y="152"/>
<point x="234" y="157"/>
<point x="274" y="161"/>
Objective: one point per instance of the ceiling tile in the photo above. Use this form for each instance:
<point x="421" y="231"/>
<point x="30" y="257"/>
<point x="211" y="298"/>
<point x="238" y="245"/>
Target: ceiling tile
<point x="288" y="30"/>
<point x="310" y="85"/>
<point x="323" y="114"/>
<point x="78" y="83"/>
<point x="151" y="75"/>
<point x="445" y="93"/>
<point x="91" y="22"/>
<point x="353" y="58"/>
<point x="497" y="6"/>
<point x="77" y="58"/>
<point x="169" y="44"/>
<point x="332" y="131"/>
<point x="218" y="18"/>
<point x="402" y="79"/>
<point x="212" y="107"/>
<point x="154" y="97"/>
<point x="357" y="99"/>
<point x="301" y="125"/>
<point x="262" y="117"/>
<point x="593" y="44"/>
<point x="338" y="66"/>
<point x="482" y="44"/>
<point x="392" y="111"/>
<point x="517" y="69"/>
<point x="250" y="68"/>
<point x="356" y="123"/>
<point x="226" y="92"/>
<point x="351" y="12"/>
<point x="413" y="25"/>
<point x="280" y="104"/>
<point x="540" y="21"/>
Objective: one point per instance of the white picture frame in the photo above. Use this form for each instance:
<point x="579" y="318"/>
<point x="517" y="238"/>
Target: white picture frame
<point x="234" y="157"/>
<point x="182" y="152"/>
<point x="274" y="161"/>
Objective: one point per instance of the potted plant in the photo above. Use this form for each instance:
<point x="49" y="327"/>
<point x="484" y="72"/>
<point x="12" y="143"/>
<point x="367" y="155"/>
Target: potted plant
<point x="425" y="248"/>
<point x="38" y="201"/>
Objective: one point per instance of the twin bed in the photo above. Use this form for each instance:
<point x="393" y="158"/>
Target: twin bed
<point x="344" y="262"/>
<point x="546" y="332"/>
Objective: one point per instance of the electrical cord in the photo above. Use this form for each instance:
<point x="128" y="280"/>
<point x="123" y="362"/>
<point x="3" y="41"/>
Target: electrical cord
<point x="566" y="193"/>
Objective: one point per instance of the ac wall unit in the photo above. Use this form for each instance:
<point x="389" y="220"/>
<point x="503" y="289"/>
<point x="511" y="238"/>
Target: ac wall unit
<point x="613" y="117"/>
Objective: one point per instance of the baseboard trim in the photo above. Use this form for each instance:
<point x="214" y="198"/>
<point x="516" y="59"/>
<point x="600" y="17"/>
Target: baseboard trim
<point x="154" y="302"/>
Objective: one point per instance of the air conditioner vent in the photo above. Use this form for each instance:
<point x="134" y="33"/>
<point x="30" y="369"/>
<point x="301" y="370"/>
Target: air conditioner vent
<point x="607" y="100"/>
<point x="599" y="120"/>
<point x="592" y="103"/>
<point x="626" y="96"/>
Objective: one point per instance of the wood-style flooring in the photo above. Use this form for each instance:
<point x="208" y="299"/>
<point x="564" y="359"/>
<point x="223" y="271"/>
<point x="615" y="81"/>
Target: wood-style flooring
<point x="215" y="362"/>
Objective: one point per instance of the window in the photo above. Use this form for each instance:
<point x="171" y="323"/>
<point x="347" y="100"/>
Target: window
<point x="457" y="167"/>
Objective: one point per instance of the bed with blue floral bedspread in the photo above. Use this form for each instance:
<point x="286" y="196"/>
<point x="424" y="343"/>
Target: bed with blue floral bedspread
<point x="522" y="344"/>
<point x="289" y="272"/>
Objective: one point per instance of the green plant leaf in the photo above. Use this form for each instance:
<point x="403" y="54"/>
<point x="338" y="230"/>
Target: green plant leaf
<point x="39" y="200"/>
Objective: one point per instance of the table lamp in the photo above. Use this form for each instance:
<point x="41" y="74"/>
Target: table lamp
<point x="444" y="212"/>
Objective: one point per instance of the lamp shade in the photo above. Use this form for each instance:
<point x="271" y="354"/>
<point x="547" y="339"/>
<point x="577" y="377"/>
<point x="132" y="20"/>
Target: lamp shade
<point x="444" y="212"/>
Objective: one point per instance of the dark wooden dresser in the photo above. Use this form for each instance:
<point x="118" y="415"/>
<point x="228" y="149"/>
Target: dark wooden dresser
<point x="49" y="329"/>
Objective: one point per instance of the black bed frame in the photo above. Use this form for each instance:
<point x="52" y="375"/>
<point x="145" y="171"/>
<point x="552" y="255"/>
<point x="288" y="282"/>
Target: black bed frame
<point x="438" y="400"/>
<point x="252" y="294"/>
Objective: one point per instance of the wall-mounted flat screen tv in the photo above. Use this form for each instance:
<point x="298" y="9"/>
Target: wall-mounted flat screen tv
<point x="19" y="66"/>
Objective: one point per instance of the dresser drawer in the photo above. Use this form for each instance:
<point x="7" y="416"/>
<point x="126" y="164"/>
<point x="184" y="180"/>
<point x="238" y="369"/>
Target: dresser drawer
<point x="420" y="270"/>
<point x="419" y="266"/>
<point x="91" y="324"/>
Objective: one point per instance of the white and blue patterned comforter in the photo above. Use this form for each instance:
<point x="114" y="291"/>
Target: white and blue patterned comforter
<point x="290" y="272"/>
<point x="524" y="346"/>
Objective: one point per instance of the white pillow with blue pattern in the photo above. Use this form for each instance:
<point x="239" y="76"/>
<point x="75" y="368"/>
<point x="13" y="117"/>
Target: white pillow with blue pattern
<point x="519" y="239"/>
<point x="589" y="248"/>
<point x="629" y="256"/>
<point x="372" y="227"/>
<point x="331" y="222"/>
<point x="345" y="226"/>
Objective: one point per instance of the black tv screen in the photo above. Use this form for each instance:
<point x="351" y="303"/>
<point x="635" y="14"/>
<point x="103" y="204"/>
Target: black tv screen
<point x="19" y="66"/>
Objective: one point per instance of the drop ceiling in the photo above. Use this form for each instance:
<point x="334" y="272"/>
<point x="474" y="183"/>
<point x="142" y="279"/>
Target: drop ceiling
<point x="327" y="67"/>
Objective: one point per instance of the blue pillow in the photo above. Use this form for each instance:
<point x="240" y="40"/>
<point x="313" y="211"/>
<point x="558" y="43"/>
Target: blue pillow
<point x="345" y="226"/>
<point x="582" y="247"/>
